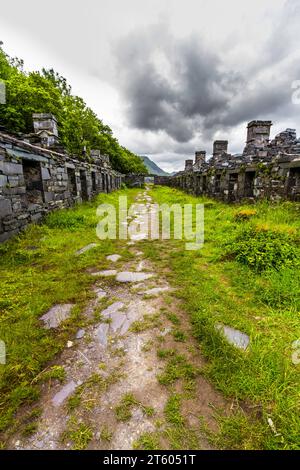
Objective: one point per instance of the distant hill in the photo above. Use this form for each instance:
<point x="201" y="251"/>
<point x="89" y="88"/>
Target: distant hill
<point x="152" y="167"/>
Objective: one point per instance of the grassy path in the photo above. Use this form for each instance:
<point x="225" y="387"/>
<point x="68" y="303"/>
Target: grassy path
<point x="144" y="368"/>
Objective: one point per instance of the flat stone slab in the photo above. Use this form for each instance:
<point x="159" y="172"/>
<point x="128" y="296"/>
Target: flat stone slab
<point x="86" y="248"/>
<point x="101" y="334"/>
<point x="105" y="273"/>
<point x="80" y="334"/>
<point x="56" y="315"/>
<point x="127" y="276"/>
<point x="64" y="393"/>
<point x="156" y="290"/>
<point x="113" y="308"/>
<point x="118" y="318"/>
<point x="113" y="258"/>
<point x="235" y="337"/>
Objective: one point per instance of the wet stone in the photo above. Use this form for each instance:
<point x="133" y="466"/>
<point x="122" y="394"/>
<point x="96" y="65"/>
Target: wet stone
<point x="235" y="337"/>
<point x="86" y="248"/>
<point x="117" y="320"/>
<point x="113" y="308"/>
<point x="101" y="334"/>
<point x="56" y="315"/>
<point x="100" y="293"/>
<point x="156" y="290"/>
<point x="80" y="334"/>
<point x="66" y="391"/>
<point x="127" y="276"/>
<point x="113" y="258"/>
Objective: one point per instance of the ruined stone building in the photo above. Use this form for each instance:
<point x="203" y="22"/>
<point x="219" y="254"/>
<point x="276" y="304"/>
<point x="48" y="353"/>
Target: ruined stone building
<point x="265" y="169"/>
<point x="37" y="176"/>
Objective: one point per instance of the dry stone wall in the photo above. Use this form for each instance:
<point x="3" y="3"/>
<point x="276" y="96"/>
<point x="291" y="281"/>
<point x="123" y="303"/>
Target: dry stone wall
<point x="35" y="180"/>
<point x="266" y="169"/>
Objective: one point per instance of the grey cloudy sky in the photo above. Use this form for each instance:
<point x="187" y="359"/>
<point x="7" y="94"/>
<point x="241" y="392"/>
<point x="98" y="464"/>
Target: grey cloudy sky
<point x="169" y="76"/>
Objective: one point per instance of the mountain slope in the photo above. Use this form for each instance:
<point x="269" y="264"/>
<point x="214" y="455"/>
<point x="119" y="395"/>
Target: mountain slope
<point x="152" y="167"/>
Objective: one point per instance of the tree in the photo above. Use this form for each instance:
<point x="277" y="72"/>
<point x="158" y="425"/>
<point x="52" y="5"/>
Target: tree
<point x="78" y="125"/>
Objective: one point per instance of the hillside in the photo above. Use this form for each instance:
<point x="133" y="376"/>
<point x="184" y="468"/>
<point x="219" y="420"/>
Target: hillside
<point x="152" y="167"/>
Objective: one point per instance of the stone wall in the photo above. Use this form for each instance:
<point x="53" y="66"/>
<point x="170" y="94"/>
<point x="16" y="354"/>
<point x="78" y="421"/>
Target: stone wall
<point x="266" y="169"/>
<point x="36" y="180"/>
<point x="134" y="181"/>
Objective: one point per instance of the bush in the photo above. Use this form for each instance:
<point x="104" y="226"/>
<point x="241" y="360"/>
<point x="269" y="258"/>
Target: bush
<point x="263" y="249"/>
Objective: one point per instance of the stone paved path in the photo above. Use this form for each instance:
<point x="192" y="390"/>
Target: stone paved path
<point x="116" y="355"/>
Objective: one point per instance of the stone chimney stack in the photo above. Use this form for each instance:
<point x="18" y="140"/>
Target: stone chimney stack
<point x="220" y="147"/>
<point x="45" y="129"/>
<point x="189" y="165"/>
<point x="95" y="154"/>
<point x="200" y="157"/>
<point x="45" y="122"/>
<point x="258" y="132"/>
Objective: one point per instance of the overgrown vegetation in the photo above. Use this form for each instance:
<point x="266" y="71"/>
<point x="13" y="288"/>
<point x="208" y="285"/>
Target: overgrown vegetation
<point x="79" y="433"/>
<point x="246" y="276"/>
<point x="48" y="92"/>
<point x="39" y="269"/>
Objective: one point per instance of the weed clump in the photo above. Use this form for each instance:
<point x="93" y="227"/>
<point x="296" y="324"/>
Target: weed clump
<point x="245" y="214"/>
<point x="262" y="248"/>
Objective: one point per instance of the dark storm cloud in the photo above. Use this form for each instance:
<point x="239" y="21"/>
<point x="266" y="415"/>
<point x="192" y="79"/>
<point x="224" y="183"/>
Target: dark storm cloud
<point x="182" y="87"/>
<point x="171" y="85"/>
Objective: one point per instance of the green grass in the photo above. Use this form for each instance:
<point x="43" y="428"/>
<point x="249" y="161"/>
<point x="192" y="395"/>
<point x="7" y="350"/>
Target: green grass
<point x="79" y="433"/>
<point x="177" y="368"/>
<point x="54" y="372"/>
<point x="123" y="410"/>
<point x="148" y="321"/>
<point x="247" y="276"/>
<point x="106" y="434"/>
<point x="38" y="269"/>
<point x="172" y="410"/>
<point x="128" y="401"/>
<point x="148" y="441"/>
<point x="216" y="285"/>
<point x="179" y="335"/>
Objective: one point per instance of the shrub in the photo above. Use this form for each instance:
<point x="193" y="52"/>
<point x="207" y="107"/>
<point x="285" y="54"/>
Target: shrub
<point x="263" y="249"/>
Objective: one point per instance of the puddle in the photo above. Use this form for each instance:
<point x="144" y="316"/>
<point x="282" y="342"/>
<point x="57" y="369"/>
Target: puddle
<point x="56" y="315"/>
